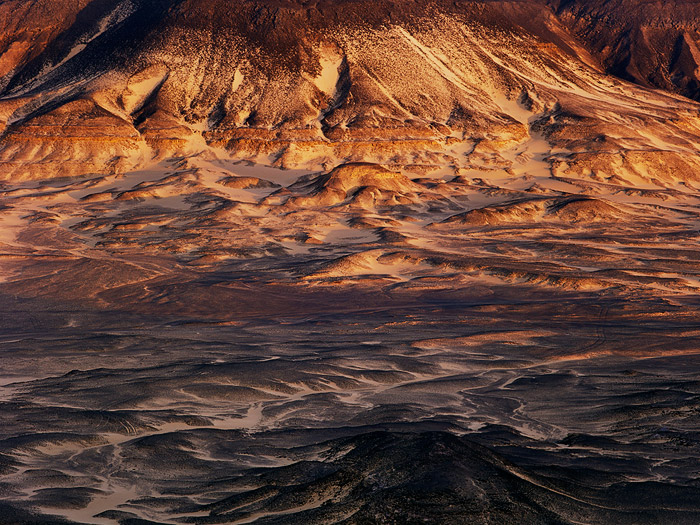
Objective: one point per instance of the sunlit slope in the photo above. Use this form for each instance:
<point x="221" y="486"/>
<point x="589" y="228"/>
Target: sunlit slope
<point x="477" y="85"/>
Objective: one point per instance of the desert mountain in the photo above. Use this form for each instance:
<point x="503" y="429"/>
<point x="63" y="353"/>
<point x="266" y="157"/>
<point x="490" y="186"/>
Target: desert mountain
<point x="107" y="86"/>
<point x="349" y="261"/>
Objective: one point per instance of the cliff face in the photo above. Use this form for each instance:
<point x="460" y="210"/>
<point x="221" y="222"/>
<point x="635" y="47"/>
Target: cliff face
<point x="117" y="84"/>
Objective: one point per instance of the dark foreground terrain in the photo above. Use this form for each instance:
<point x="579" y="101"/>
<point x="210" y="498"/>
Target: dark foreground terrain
<point x="484" y="409"/>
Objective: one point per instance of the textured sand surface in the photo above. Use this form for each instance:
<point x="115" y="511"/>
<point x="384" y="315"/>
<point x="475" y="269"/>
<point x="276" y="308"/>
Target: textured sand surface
<point x="349" y="262"/>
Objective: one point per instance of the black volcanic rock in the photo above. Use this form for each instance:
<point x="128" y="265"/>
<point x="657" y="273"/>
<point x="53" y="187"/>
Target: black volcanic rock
<point x="436" y="477"/>
<point x="391" y="477"/>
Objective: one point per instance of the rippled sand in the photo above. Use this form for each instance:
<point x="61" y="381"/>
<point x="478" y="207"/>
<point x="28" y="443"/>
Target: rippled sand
<point x="187" y="345"/>
<point x="513" y="410"/>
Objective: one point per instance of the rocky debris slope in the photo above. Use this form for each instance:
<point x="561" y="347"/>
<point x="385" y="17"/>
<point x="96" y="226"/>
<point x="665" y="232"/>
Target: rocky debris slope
<point x="119" y="84"/>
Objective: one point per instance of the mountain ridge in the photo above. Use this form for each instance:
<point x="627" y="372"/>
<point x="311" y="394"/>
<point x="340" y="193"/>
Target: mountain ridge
<point x="297" y="84"/>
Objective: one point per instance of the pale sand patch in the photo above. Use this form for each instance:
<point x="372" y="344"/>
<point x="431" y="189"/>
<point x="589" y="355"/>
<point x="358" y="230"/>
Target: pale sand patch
<point x="243" y="168"/>
<point x="327" y="80"/>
